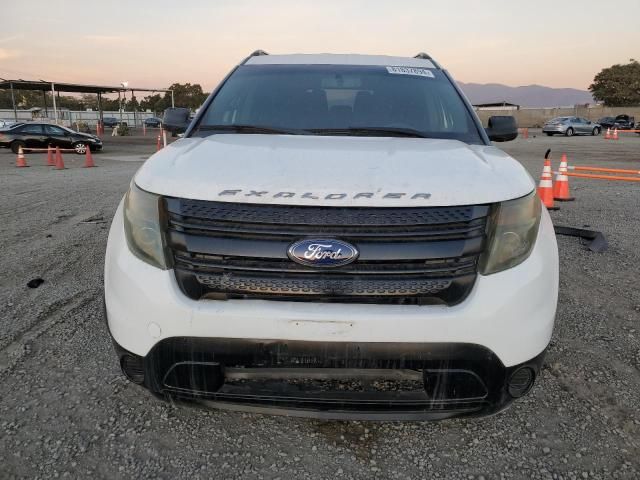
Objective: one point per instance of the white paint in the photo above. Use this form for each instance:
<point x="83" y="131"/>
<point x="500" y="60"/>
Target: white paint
<point x="453" y="172"/>
<point x="154" y="330"/>
<point x="338" y="59"/>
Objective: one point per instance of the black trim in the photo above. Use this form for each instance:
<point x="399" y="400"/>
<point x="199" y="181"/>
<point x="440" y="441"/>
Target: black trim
<point x="414" y="255"/>
<point x="459" y="379"/>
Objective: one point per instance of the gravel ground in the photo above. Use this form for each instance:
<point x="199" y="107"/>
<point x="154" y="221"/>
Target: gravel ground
<point x="66" y="411"/>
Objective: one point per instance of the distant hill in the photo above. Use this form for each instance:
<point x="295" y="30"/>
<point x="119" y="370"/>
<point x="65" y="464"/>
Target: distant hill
<point x="526" y="96"/>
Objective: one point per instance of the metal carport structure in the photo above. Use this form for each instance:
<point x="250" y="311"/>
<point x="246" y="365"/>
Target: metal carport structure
<point x="57" y="87"/>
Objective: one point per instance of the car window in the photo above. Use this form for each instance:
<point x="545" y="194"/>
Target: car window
<point x="33" y="129"/>
<point x="53" y="130"/>
<point x="330" y="98"/>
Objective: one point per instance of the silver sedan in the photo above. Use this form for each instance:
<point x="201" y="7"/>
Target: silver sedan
<point x="570" y="126"/>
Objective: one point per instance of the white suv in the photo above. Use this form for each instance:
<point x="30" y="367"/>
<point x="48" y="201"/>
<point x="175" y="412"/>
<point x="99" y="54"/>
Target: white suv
<point x="335" y="236"/>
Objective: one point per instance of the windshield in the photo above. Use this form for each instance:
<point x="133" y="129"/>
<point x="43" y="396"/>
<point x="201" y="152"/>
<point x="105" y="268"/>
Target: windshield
<point x="340" y="100"/>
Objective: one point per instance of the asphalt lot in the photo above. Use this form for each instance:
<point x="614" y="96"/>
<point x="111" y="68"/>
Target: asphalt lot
<point x="66" y="410"/>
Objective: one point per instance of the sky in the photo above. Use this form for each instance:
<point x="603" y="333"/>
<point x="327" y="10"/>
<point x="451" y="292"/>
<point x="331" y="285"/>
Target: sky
<point x="152" y="44"/>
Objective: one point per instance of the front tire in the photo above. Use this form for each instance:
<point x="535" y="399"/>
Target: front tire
<point x="549" y="134"/>
<point x="569" y="132"/>
<point x="80" y="148"/>
<point x="15" y="146"/>
<point x="595" y="131"/>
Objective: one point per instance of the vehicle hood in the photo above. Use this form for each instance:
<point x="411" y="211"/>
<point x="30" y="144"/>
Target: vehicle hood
<point x="337" y="171"/>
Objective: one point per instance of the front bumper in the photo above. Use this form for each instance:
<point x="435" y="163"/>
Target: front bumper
<point x="505" y="322"/>
<point x="346" y="380"/>
<point x="554" y="129"/>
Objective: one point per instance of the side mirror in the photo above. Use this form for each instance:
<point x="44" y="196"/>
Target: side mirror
<point x="502" y="128"/>
<point x="176" y="120"/>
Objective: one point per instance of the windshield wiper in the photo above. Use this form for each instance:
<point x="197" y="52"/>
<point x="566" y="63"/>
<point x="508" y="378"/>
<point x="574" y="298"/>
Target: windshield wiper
<point x="252" y="129"/>
<point x="373" y="131"/>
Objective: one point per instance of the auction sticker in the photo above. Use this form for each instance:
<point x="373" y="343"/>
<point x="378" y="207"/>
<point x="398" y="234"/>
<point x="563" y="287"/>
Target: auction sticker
<point x="420" y="72"/>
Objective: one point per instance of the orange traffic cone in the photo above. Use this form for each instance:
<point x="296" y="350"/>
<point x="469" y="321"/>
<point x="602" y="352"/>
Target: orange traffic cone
<point x="159" y="144"/>
<point x="561" y="187"/>
<point x="615" y="134"/>
<point x="525" y="133"/>
<point x="59" y="160"/>
<point x="20" y="161"/>
<point x="607" y="136"/>
<point x="50" y="161"/>
<point x="545" y="187"/>
<point x="88" y="163"/>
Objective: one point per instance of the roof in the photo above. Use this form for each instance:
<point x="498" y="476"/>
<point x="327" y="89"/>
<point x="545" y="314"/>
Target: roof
<point x="339" y="59"/>
<point x="69" y="87"/>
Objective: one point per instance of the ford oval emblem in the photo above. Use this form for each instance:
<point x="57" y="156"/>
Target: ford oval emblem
<point x="320" y="252"/>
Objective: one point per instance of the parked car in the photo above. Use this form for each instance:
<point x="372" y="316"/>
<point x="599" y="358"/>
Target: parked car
<point x="623" y="122"/>
<point x="321" y="219"/>
<point x="41" y="135"/>
<point x="607" y="122"/>
<point x="4" y="124"/>
<point x="112" y="122"/>
<point x="570" y="126"/>
<point x="152" y="122"/>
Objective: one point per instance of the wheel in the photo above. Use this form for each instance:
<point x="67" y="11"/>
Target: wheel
<point x="80" y="148"/>
<point x="549" y="134"/>
<point x="569" y="132"/>
<point x="15" y="146"/>
<point x="595" y="131"/>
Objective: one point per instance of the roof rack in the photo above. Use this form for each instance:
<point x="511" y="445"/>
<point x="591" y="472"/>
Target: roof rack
<point x="423" y="56"/>
<point x="426" y="56"/>
<point x="255" y="53"/>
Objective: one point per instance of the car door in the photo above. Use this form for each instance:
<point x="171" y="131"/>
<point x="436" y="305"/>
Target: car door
<point x="583" y="125"/>
<point x="33" y="136"/>
<point x="58" y="137"/>
<point x="579" y="125"/>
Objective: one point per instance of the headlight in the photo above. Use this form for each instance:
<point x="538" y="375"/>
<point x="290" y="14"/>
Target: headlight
<point x="513" y="231"/>
<point x="142" y="226"/>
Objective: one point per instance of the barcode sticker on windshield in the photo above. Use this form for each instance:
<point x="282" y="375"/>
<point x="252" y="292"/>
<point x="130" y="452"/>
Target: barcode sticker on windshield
<point x="420" y="72"/>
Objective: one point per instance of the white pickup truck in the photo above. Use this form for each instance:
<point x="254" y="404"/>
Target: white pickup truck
<point x="334" y="236"/>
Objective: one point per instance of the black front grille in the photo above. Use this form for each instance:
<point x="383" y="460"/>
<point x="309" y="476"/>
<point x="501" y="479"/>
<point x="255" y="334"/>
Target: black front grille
<point x="407" y="255"/>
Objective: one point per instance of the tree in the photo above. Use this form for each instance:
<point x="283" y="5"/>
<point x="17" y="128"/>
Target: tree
<point x="618" y="85"/>
<point x="154" y="103"/>
<point x="186" y="95"/>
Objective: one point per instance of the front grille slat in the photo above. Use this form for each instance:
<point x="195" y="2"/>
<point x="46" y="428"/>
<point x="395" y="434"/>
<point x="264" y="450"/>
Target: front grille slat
<point x="407" y="255"/>
<point x="284" y="215"/>
<point x="424" y="232"/>
<point x="207" y="263"/>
